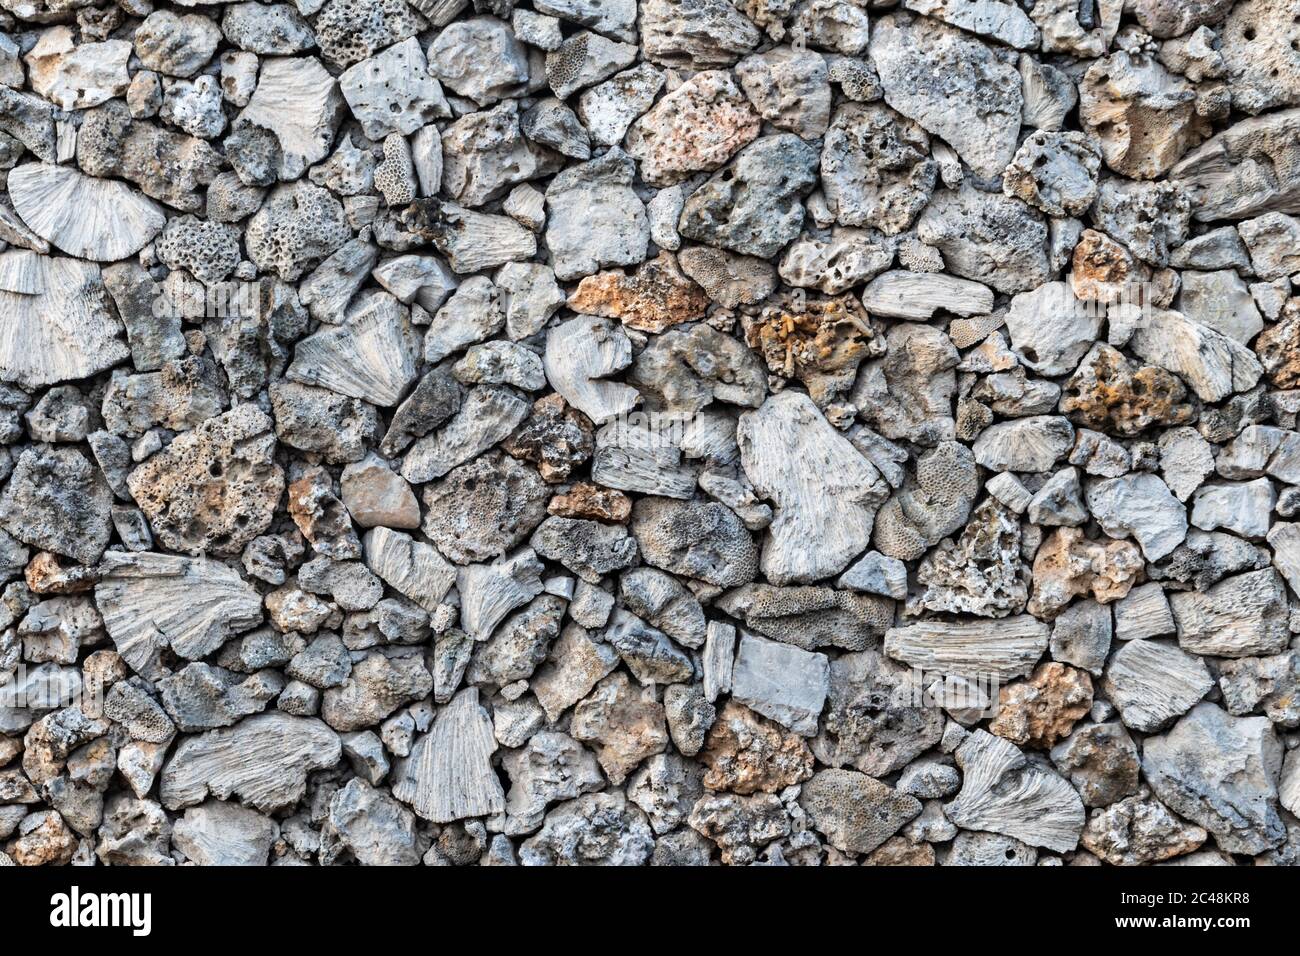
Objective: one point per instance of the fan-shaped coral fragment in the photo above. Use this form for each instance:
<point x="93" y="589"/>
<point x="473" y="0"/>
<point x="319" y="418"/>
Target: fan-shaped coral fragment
<point x="578" y="354"/>
<point x="62" y="329"/>
<point x="155" y="602"/>
<point x="100" y="219"/>
<point x="1003" y="792"/>
<point x="370" y="356"/>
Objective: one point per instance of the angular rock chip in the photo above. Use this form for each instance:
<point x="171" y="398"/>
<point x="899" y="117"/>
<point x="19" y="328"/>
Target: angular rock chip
<point x="953" y="85"/>
<point x="823" y="489"/>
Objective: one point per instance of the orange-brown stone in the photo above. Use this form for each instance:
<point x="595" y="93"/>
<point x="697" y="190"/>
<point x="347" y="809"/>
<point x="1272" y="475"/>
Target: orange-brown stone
<point x="1110" y="394"/>
<point x="821" y="342"/>
<point x="746" y="753"/>
<point x="658" y="295"/>
<point x="1101" y="267"/>
<point x="1042" y="709"/>
<point x="1278" y="348"/>
<point x="585" y="500"/>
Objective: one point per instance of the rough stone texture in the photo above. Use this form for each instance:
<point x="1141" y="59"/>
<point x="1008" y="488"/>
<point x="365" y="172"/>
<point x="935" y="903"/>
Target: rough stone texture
<point x="213" y="489"/>
<point x="955" y="86"/>
<point x="674" y="432"/>
<point x="1220" y="772"/>
<point x="1043" y="708"/>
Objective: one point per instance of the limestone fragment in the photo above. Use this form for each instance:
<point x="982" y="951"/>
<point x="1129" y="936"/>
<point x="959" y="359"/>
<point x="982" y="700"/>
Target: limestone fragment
<point x="263" y="760"/>
<point x="1152" y="682"/>
<point x="788" y="430"/>
<point x="1220" y="772"/>
<point x="753" y="206"/>
<point x="1002" y="649"/>
<point x="594" y="218"/>
<point x="781" y="682"/>
<point x="857" y="813"/>
<point x="975" y="107"/>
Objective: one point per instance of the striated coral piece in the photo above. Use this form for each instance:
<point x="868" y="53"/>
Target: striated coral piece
<point x="1151" y="683"/>
<point x="916" y="295"/>
<point x="299" y="102"/>
<point x="98" y="219"/>
<point x="825" y="492"/>
<point x="1002" y="791"/>
<point x="449" y="775"/>
<point x="581" y="352"/>
<point x="470" y="240"/>
<point x="1001" y="649"/>
<point x="62" y="329"/>
<point x="154" y="603"/>
<point x="410" y="567"/>
<point x="370" y="356"/>
<point x="488" y="592"/>
<point x="263" y="760"/>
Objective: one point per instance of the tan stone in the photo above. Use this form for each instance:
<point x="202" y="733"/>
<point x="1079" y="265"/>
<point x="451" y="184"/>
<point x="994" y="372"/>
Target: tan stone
<point x="376" y="496"/>
<point x="623" y="723"/>
<point x="900" y="851"/>
<point x="656" y="296"/>
<point x="46" y="574"/>
<point x="746" y="753"/>
<point x="213" y="489"/>
<point x="1069" y="565"/>
<point x="1042" y="709"/>
<point x="43" y="839"/>
<point x="820" y="341"/>
<point x="1144" y="116"/>
<point x="695" y="128"/>
<point x="1278" y="348"/>
<point x="1110" y="394"/>
<point x="585" y="500"/>
<point x="1101" y="268"/>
